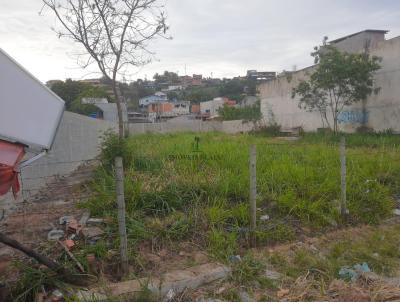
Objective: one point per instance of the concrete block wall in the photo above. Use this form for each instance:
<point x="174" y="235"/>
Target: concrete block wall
<point x="78" y="140"/>
<point x="381" y="111"/>
<point x="191" y="126"/>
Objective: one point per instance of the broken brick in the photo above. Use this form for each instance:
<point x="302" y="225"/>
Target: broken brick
<point x="69" y="244"/>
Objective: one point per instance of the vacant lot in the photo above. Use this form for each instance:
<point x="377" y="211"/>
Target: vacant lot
<point x="196" y="187"/>
<point x="187" y="194"/>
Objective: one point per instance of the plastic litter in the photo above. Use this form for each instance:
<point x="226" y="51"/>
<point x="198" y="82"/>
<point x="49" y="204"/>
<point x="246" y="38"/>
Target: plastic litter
<point x="352" y="273"/>
<point x="235" y="258"/>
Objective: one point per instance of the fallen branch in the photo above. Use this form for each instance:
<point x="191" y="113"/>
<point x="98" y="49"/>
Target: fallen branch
<point x="78" y="264"/>
<point x="65" y="274"/>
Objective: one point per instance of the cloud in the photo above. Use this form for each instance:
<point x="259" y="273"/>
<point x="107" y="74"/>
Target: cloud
<point x="224" y="37"/>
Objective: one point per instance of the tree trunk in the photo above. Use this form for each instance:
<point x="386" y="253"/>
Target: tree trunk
<point x="54" y="266"/>
<point x="119" y="109"/>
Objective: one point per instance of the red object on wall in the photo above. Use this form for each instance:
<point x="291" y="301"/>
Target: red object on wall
<point x="10" y="156"/>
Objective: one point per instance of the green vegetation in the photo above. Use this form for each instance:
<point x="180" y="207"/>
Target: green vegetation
<point x="250" y="113"/>
<point x="174" y="192"/>
<point x="340" y="79"/>
<point x="378" y="248"/>
<point x="72" y="93"/>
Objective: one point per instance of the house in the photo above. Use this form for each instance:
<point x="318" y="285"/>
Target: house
<point x="94" y="101"/>
<point x="173" y="88"/>
<point x="181" y="108"/>
<point x="168" y="109"/>
<point x="109" y="112"/>
<point x="379" y="111"/>
<point x="248" y="101"/>
<point x="261" y="75"/>
<point x="195" y="109"/>
<point x="210" y="109"/>
<point x="138" y="117"/>
<point x="160" y="110"/>
<point x="197" y="80"/>
<point x="158" y="97"/>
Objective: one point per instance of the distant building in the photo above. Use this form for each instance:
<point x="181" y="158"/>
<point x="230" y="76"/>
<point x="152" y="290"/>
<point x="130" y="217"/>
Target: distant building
<point x="109" y="112"/>
<point x="181" y="108"/>
<point x="379" y="111"/>
<point x="197" y="80"/>
<point x="248" y="101"/>
<point x="138" y="117"/>
<point x="210" y="109"/>
<point x="168" y="109"/>
<point x="173" y="88"/>
<point x="158" y="97"/>
<point x="195" y="109"/>
<point x="261" y="75"/>
<point x="94" y="101"/>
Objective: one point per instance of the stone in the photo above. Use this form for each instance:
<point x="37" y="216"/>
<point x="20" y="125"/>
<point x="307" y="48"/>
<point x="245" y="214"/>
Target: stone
<point x="65" y="219"/>
<point x="152" y="258"/>
<point x="54" y="235"/>
<point x="200" y="258"/>
<point x="92" y="232"/>
<point x="396" y="212"/>
<point x="84" y="219"/>
<point x="235" y="258"/>
<point x="282" y="292"/>
<point x="202" y="299"/>
<point x="170" y="295"/>
<point x="273" y="275"/>
<point x="178" y="280"/>
<point x="245" y="297"/>
<point x="95" y="221"/>
<point x="220" y="290"/>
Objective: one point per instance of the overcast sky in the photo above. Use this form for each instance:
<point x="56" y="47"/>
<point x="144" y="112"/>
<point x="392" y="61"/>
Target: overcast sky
<point x="222" y="37"/>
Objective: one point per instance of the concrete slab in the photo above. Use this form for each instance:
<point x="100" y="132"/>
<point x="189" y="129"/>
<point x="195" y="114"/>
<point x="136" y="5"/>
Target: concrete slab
<point x="177" y="281"/>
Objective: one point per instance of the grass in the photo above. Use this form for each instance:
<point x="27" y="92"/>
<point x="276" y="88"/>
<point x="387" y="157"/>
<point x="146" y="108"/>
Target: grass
<point x="177" y="191"/>
<point x="376" y="247"/>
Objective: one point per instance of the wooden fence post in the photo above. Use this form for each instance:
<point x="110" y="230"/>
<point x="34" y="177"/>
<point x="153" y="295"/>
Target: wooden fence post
<point x="343" y="202"/>
<point x="253" y="194"/>
<point x="119" y="173"/>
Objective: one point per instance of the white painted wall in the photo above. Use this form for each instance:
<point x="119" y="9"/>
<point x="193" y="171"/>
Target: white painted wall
<point x="212" y="106"/>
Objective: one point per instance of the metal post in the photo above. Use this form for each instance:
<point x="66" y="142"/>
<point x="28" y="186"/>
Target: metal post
<point x="253" y="193"/>
<point x="343" y="205"/>
<point x="119" y="173"/>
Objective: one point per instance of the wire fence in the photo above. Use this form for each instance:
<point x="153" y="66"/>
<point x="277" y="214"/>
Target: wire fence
<point x="288" y="170"/>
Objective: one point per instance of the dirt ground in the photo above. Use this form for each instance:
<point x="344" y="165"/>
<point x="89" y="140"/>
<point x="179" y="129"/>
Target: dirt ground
<point x="31" y="222"/>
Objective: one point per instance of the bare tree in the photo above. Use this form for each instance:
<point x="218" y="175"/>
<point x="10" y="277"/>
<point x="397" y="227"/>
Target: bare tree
<point x="114" y="33"/>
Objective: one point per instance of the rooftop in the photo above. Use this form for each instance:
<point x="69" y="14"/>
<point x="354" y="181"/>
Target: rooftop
<point x="357" y="33"/>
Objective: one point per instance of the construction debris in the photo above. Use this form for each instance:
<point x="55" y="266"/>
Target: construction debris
<point x="65" y="219"/>
<point x="92" y="233"/>
<point x="95" y="221"/>
<point x="177" y="281"/>
<point x="347" y="273"/>
<point x="55" y="235"/>
<point x="78" y="264"/>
